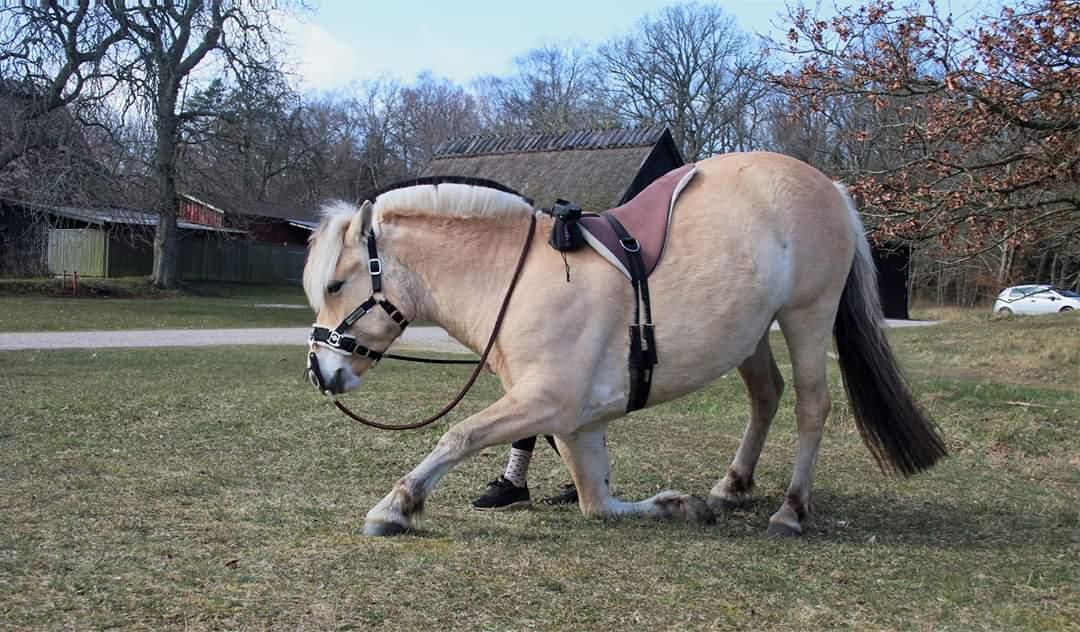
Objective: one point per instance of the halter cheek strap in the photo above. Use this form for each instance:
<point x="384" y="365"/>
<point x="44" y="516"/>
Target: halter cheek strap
<point x="337" y="339"/>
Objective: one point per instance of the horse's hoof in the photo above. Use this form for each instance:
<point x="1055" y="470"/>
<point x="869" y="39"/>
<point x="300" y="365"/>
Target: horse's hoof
<point x="699" y="511"/>
<point x="385" y="529"/>
<point x="672" y="505"/>
<point x="722" y="503"/>
<point x="781" y="530"/>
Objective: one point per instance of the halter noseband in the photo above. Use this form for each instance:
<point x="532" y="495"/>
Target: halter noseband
<point x="337" y="339"/>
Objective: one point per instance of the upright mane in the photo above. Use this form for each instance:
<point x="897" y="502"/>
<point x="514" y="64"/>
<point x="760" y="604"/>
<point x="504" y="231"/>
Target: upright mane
<point x="452" y="196"/>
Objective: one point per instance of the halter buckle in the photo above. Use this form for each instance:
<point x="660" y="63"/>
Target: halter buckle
<point x="374" y="266"/>
<point x="333" y="338"/>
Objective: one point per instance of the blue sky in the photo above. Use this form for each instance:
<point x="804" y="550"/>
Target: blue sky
<point x="346" y="40"/>
<point x="352" y="40"/>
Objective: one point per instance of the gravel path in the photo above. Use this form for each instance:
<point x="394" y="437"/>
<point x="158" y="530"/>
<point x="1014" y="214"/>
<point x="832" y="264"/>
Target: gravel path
<point x="414" y="338"/>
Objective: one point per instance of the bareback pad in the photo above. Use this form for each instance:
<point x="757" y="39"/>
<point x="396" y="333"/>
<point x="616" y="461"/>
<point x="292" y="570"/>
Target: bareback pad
<point x="646" y="217"/>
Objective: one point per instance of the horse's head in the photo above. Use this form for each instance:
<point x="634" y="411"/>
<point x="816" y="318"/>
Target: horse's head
<point x="354" y="321"/>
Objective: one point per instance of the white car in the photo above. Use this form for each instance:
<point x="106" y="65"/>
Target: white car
<point x="1036" y="299"/>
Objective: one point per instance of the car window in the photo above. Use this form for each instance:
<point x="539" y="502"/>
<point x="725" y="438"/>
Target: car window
<point x="1068" y="293"/>
<point x="1017" y="293"/>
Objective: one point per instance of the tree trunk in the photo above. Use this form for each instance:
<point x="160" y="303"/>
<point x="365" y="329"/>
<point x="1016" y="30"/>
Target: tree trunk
<point x="1063" y="273"/>
<point x="1041" y="272"/>
<point x="1006" y="266"/>
<point x="165" y="254"/>
<point x="165" y="244"/>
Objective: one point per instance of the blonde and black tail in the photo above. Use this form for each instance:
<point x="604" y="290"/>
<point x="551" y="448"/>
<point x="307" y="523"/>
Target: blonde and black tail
<point x="893" y="426"/>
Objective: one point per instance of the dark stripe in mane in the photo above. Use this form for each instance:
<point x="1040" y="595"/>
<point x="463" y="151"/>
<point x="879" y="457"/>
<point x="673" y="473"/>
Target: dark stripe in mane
<point x="437" y="180"/>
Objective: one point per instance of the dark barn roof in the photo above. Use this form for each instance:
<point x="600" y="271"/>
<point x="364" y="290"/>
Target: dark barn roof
<point x="255" y="210"/>
<point x="98" y="216"/>
<point x="593" y="168"/>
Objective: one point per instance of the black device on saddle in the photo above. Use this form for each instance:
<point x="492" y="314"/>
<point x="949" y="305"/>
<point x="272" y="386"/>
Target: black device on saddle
<point x="564" y="234"/>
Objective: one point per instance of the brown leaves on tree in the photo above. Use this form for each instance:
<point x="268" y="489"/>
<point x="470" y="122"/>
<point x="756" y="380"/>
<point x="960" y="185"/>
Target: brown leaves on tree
<point x="968" y="135"/>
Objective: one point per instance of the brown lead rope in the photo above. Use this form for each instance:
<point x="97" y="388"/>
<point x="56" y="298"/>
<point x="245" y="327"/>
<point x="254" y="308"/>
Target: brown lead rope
<point x="479" y="365"/>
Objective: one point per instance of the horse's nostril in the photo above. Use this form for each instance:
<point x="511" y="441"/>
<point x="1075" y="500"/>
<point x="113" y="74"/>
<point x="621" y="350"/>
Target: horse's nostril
<point x="336" y="384"/>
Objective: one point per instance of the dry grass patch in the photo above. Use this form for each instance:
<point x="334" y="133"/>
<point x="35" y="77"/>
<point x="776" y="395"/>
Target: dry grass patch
<point x="196" y="489"/>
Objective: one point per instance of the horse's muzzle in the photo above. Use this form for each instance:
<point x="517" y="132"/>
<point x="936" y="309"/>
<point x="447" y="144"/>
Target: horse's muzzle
<point x="329" y="380"/>
<point x="312" y="374"/>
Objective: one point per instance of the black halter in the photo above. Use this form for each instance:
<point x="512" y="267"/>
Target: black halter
<point x="337" y="338"/>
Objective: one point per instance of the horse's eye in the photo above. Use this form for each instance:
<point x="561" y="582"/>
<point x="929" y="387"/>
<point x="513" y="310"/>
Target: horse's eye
<point x="334" y="287"/>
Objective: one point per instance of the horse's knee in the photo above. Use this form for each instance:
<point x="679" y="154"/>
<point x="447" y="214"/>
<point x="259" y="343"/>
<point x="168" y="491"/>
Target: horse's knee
<point x="766" y="403"/>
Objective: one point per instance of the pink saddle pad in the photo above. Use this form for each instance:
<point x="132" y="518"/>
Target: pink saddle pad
<point x="646" y="217"/>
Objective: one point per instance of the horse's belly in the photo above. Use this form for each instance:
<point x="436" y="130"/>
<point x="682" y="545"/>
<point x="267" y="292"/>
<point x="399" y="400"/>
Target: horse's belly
<point x="687" y="365"/>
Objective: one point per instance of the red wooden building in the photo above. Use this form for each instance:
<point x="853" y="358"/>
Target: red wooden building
<point x="197" y="211"/>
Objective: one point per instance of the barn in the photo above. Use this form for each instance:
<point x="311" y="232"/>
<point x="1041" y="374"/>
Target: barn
<point x="600" y="169"/>
<point x="597" y="169"/>
<point x="262" y="244"/>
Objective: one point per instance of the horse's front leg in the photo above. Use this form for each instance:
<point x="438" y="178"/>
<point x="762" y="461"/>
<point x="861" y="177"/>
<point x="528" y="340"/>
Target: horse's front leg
<point x="510" y="418"/>
<point x="585" y="454"/>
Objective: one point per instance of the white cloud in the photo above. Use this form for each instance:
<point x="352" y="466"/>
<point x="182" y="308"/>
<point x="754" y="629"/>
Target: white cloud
<point x="320" y="60"/>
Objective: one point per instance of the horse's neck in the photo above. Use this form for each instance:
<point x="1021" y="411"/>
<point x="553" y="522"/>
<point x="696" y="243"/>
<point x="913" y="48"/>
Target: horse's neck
<point x="460" y="270"/>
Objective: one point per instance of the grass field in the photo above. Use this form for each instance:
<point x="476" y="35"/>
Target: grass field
<point x="193" y="489"/>
<point x="202" y="306"/>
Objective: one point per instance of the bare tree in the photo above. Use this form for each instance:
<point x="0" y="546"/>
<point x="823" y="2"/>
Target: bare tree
<point x="55" y="59"/>
<point x="433" y="109"/>
<point x="377" y="116"/>
<point x="170" y="40"/>
<point x="691" y="68"/>
<point x="554" y="89"/>
<point x="244" y="153"/>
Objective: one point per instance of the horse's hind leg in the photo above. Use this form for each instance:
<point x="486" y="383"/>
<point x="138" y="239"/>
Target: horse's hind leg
<point x="807" y="332"/>
<point x="586" y="456"/>
<point x="764" y="385"/>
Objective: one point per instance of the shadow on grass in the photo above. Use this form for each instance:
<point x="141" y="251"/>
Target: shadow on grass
<point x="872" y="520"/>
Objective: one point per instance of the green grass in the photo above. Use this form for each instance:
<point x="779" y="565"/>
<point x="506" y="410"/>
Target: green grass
<point x="194" y="489"/>
<point x="201" y="306"/>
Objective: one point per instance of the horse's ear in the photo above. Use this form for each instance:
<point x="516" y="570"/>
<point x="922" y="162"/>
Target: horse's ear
<point x="360" y="227"/>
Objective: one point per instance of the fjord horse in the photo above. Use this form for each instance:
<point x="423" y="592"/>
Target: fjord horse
<point x="754" y="237"/>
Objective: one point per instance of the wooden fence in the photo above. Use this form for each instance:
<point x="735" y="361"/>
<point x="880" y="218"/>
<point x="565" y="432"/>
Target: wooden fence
<point x="214" y="259"/>
<point x="85" y="250"/>
<point x="202" y="257"/>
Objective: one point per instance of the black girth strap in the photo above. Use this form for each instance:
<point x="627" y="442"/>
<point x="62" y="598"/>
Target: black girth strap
<point x="642" y="340"/>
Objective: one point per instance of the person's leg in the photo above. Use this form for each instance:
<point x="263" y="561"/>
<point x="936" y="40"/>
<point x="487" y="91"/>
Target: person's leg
<point x="511" y="490"/>
<point x="517" y="466"/>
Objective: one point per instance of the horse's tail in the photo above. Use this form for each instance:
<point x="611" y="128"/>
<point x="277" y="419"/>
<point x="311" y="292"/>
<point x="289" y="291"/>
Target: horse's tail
<point x="894" y="428"/>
